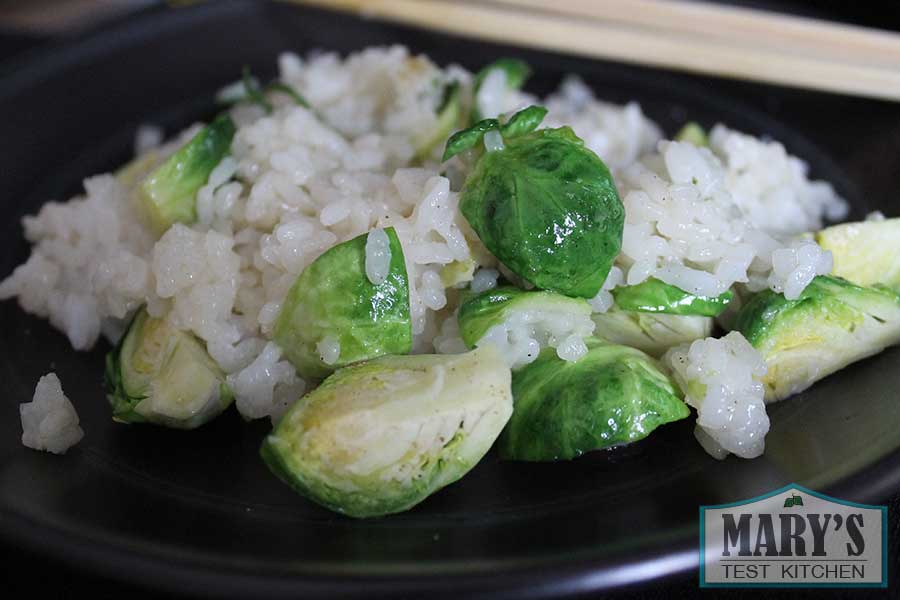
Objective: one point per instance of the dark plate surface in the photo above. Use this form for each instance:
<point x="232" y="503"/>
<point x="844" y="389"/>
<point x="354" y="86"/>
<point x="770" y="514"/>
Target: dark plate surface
<point x="200" y="512"/>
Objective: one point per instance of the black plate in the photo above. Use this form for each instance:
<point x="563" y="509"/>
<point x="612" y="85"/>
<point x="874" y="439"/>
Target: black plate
<point x="200" y="512"/>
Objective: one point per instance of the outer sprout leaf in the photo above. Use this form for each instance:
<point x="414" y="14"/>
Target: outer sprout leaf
<point x="657" y="296"/>
<point x="613" y="395"/>
<point x="524" y="121"/>
<point x="468" y="138"/>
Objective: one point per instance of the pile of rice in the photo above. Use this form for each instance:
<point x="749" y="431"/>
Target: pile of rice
<point x="49" y="421"/>
<point x="299" y="181"/>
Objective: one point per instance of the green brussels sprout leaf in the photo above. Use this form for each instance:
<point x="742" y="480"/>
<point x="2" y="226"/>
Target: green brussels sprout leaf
<point x="159" y="374"/>
<point x="381" y="436"/>
<point x="334" y="301"/>
<point x="613" y="395"/>
<point x="468" y="138"/>
<point x="657" y="296"/>
<point x="525" y="121"/>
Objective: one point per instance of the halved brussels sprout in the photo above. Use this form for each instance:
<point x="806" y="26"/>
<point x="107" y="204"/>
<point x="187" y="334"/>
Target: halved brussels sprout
<point x="519" y="321"/>
<point x="379" y="437"/>
<point x="548" y="209"/>
<point x="613" y="395"/>
<point x="865" y="253"/>
<point x="653" y="333"/>
<point x="448" y="116"/>
<point x="494" y="82"/>
<point x="334" y="315"/>
<point x="657" y="296"/>
<point x="159" y="374"/>
<point x="169" y="194"/>
<point x="832" y="324"/>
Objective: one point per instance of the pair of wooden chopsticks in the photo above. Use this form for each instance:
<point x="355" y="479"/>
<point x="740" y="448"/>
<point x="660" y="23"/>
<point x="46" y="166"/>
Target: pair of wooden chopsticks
<point x="692" y="36"/>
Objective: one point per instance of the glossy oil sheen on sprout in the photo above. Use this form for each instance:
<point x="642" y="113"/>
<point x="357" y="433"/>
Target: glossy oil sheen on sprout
<point x="334" y="298"/>
<point x="548" y="209"/>
<point x="613" y="395"/>
<point x="656" y="296"/>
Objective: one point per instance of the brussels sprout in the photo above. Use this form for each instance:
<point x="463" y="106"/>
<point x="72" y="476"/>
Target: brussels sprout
<point x="692" y="133"/>
<point x="865" y="253"/>
<point x="548" y="209"/>
<point x="168" y="194"/>
<point x="333" y="304"/>
<point x="448" y="116"/>
<point x="493" y="83"/>
<point x="613" y="395"/>
<point x="832" y="324"/>
<point x="657" y="296"/>
<point x="653" y="333"/>
<point x="159" y="374"/>
<point x="381" y="436"/>
<point x="500" y="306"/>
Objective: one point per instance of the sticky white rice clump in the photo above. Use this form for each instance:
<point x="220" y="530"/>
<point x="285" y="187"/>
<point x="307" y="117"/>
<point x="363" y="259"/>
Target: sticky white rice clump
<point x="682" y="226"/>
<point x="721" y="378"/>
<point x="49" y="421"/>
<point x="771" y="187"/>
<point x="617" y="134"/>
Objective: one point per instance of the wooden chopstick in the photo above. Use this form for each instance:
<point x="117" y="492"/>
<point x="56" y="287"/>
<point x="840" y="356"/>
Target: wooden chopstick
<point x="805" y="59"/>
<point x="738" y="25"/>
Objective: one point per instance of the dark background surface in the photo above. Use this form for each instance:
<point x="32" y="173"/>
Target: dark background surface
<point x="853" y="131"/>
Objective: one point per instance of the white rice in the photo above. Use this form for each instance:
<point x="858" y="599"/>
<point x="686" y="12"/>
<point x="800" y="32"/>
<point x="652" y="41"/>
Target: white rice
<point x="299" y="181"/>
<point x="522" y="336"/>
<point x="682" y="226"/>
<point x="721" y="378"/>
<point x="49" y="421"/>
<point x="771" y="187"/>
<point x="378" y="256"/>
<point x="618" y="134"/>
